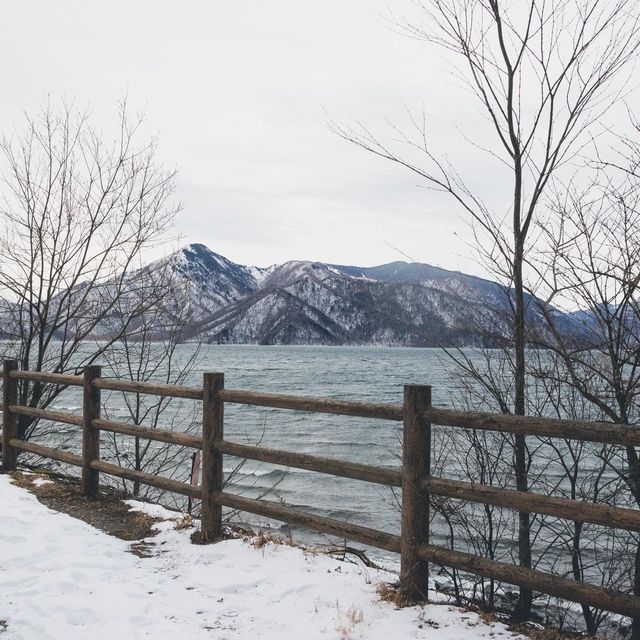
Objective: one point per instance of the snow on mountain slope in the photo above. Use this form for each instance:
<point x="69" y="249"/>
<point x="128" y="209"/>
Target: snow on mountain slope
<point x="303" y="302"/>
<point x="214" y="281"/>
<point x="316" y="303"/>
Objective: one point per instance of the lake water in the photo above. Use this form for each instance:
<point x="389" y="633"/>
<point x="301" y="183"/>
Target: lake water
<point x="374" y="374"/>
<point x="367" y="374"/>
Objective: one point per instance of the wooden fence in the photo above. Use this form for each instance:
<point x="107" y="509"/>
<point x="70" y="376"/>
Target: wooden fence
<point x="417" y="415"/>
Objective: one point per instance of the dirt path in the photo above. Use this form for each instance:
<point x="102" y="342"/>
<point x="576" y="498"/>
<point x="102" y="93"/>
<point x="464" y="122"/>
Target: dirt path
<point x="106" y="512"/>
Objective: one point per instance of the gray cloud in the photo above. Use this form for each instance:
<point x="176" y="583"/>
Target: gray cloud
<point x="237" y="93"/>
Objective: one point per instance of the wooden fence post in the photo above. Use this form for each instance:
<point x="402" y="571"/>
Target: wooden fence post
<point x="212" y="430"/>
<point x="9" y="420"/>
<point x="416" y="465"/>
<point x="90" y="433"/>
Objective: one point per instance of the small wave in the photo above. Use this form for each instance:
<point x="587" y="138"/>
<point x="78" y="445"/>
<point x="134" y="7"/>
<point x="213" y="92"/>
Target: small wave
<point x="259" y="473"/>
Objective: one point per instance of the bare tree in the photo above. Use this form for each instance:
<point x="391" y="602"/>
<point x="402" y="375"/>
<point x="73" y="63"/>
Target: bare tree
<point x="593" y="264"/>
<point x="543" y="73"/>
<point x="76" y="215"/>
<point x="151" y="353"/>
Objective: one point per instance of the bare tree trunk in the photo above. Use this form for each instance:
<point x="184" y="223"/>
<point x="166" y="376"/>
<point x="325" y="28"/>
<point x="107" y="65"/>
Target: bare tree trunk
<point x="523" y="607"/>
<point x="635" y="623"/>
<point x="138" y="467"/>
<point x="634" y="481"/>
<point x="577" y="575"/>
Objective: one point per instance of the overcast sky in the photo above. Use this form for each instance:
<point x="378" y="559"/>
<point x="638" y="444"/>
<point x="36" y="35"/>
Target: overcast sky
<point x="238" y="93"/>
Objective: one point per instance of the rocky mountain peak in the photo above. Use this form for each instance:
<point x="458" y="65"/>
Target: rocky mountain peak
<point x="311" y="302"/>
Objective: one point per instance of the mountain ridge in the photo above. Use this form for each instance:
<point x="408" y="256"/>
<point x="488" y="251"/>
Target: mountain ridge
<point x="299" y="302"/>
<point x="311" y="302"/>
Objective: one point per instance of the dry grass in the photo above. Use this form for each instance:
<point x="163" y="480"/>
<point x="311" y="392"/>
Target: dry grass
<point x="390" y="593"/>
<point x="354" y="617"/>
<point x="530" y="630"/>
<point x="184" y="522"/>
<point x="548" y="633"/>
<point x="197" y="538"/>
<point x="262" y="538"/>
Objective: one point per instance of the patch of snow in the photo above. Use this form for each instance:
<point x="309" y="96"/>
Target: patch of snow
<point x="61" y="579"/>
<point x="259" y="274"/>
<point x="38" y="482"/>
<point x="152" y="509"/>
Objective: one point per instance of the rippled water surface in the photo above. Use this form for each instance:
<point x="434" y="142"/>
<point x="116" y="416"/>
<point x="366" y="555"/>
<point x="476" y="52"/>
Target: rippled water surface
<point x="348" y="373"/>
<point x="372" y="374"/>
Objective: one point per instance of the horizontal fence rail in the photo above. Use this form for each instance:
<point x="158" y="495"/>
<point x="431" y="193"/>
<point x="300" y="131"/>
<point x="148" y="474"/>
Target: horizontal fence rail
<point x="175" y="486"/>
<point x="575" y="510"/>
<point x="54" y="378"/>
<point x="46" y="452"/>
<point x="317" y="405"/>
<point x="159" y="435"/>
<point x="47" y="414"/>
<point x="608" y="433"/>
<point x="330" y="466"/>
<point x="150" y="388"/>
<point x="371" y="537"/>
<point x="573" y="590"/>
<point x="414" y="476"/>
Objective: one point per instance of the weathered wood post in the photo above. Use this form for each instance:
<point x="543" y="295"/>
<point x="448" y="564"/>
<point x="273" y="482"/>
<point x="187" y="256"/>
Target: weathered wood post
<point x="212" y="430"/>
<point x="90" y="433"/>
<point x="9" y="419"/>
<point x="416" y="464"/>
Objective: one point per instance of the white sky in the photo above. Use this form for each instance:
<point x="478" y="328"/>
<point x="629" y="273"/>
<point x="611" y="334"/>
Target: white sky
<point x="237" y="93"/>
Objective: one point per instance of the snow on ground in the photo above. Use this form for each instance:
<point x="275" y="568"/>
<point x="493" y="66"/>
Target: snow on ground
<point x="62" y="579"/>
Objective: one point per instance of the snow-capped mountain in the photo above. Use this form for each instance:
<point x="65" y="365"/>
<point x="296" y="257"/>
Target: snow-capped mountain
<point x="211" y="281"/>
<point x="299" y="302"/>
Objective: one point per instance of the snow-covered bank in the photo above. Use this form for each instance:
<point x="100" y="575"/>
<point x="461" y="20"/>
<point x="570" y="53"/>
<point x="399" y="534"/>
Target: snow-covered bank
<point x="62" y="579"/>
